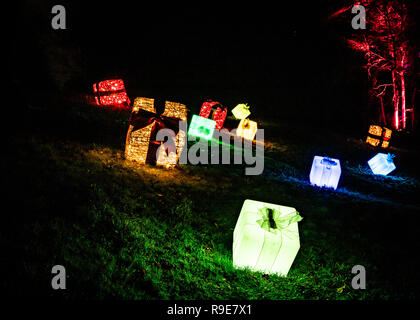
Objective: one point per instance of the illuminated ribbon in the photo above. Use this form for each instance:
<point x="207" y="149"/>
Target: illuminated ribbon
<point x="328" y="162"/>
<point x="143" y="118"/>
<point x="390" y="157"/>
<point x="272" y="221"/>
<point x="326" y="170"/>
<point x="245" y="124"/>
<point x="98" y="93"/>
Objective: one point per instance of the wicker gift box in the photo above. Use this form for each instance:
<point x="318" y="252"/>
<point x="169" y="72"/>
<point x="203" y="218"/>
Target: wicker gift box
<point x="379" y="136"/>
<point x="141" y="145"/>
<point x="111" y="93"/>
<point x="266" y="237"/>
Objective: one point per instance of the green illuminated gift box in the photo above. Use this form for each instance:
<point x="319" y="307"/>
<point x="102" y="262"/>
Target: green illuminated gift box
<point x="201" y="127"/>
<point x="266" y="237"/>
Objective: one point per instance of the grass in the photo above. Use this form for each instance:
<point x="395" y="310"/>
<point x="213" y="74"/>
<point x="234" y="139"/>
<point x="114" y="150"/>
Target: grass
<point x="140" y="232"/>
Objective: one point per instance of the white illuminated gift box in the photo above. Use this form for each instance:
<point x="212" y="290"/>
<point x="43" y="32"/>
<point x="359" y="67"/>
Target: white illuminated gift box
<point x="382" y="163"/>
<point x="266" y="237"/>
<point x="325" y="172"/>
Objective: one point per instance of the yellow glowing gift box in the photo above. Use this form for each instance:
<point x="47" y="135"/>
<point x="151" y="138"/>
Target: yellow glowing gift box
<point x="241" y="111"/>
<point x="138" y="141"/>
<point x="379" y="135"/>
<point x="266" y="237"/>
<point x="247" y="129"/>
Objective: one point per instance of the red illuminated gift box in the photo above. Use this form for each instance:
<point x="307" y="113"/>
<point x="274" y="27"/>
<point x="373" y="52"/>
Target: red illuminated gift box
<point x="111" y="93"/>
<point x="219" y="113"/>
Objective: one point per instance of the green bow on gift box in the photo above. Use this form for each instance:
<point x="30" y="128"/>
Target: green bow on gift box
<point x="272" y="221"/>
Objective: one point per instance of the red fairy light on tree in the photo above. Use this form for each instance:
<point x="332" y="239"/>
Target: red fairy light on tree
<point x="386" y="49"/>
<point x="111" y="93"/>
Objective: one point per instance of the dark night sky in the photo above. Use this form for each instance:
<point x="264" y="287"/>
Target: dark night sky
<point x="281" y="59"/>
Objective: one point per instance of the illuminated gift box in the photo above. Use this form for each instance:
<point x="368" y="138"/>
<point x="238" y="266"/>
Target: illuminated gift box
<point x="201" y="127"/>
<point x="379" y="136"/>
<point x="325" y="172"/>
<point x="111" y="92"/>
<point x="219" y="113"/>
<point x="141" y="144"/>
<point x="241" y="111"/>
<point x="266" y="237"/>
<point x="382" y="163"/>
<point x="247" y="129"/>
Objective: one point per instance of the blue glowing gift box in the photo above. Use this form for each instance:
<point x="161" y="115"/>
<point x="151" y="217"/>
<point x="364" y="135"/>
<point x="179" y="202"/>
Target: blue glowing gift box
<point x="325" y="172"/>
<point x="382" y="163"/>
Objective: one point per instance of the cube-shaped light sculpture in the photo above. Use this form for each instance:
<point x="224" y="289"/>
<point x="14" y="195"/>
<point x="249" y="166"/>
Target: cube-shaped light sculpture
<point x="241" y="111"/>
<point x="266" y="237"/>
<point x="382" y="163"/>
<point x="219" y="112"/>
<point x="379" y="136"/>
<point x="247" y="129"/>
<point x="144" y="124"/>
<point x="201" y="127"/>
<point x="111" y="92"/>
<point x="325" y="172"/>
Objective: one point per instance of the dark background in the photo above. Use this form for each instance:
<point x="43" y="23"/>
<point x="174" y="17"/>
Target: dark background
<point x="287" y="61"/>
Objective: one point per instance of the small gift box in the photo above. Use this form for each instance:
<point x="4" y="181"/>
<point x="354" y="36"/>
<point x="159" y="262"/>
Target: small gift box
<point x="379" y="136"/>
<point x="219" y="113"/>
<point x="266" y="237"/>
<point x="241" y="111"/>
<point x="111" y="92"/>
<point x="247" y="129"/>
<point x="141" y="144"/>
<point x="382" y="163"/>
<point x="201" y="127"/>
<point x="325" y="172"/>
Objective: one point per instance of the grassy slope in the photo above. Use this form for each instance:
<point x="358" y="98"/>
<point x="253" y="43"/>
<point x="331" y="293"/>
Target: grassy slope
<point x="140" y="232"/>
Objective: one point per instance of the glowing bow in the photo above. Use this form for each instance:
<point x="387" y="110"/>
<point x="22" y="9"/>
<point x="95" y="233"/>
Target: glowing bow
<point x="272" y="221"/>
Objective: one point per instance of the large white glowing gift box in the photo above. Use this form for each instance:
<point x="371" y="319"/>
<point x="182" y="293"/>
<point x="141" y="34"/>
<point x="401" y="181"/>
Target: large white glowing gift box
<point x="382" y="163"/>
<point x="266" y="237"/>
<point x="325" y="172"/>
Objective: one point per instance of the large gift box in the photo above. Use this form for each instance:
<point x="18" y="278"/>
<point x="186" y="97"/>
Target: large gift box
<point x="325" y="172"/>
<point x="266" y="237"/>
<point x="379" y="136"/>
<point x="219" y="112"/>
<point x="145" y="122"/>
<point x="111" y="93"/>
